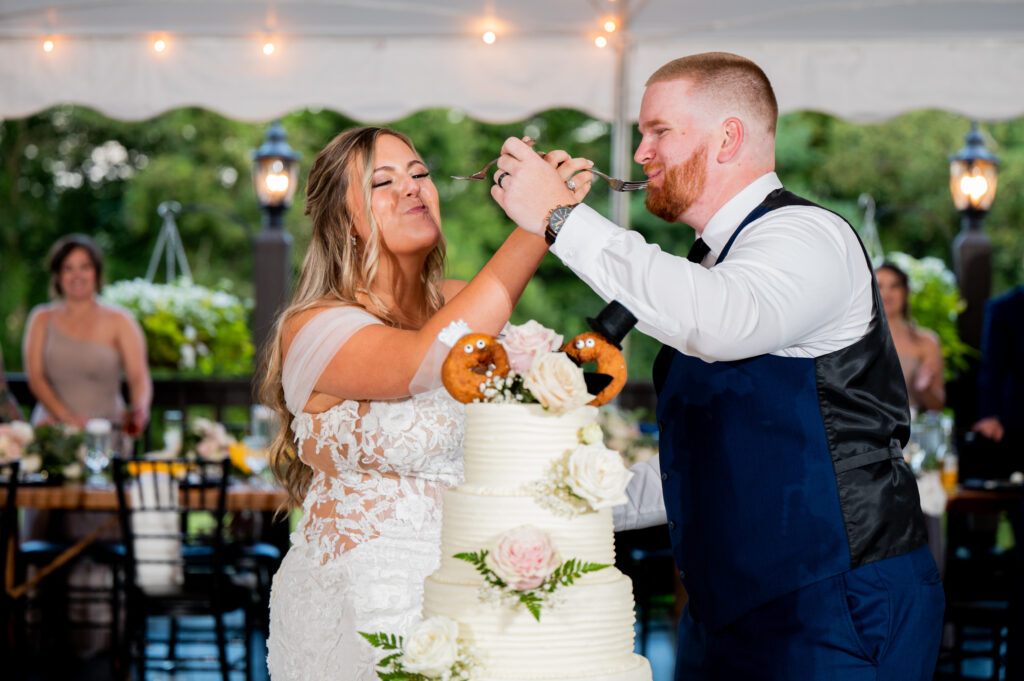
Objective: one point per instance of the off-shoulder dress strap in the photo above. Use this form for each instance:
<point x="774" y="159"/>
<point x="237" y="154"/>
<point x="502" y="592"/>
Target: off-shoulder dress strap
<point x="313" y="347"/>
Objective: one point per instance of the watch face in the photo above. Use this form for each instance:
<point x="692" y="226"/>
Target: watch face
<point x="558" y="217"/>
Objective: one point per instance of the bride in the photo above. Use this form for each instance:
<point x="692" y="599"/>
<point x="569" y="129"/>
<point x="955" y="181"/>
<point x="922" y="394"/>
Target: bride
<point x="369" y="439"/>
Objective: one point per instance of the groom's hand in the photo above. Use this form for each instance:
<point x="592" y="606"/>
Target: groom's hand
<point x="534" y="185"/>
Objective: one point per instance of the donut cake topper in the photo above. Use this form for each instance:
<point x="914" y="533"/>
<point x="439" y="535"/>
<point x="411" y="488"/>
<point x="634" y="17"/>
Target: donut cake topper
<point x="478" y="367"/>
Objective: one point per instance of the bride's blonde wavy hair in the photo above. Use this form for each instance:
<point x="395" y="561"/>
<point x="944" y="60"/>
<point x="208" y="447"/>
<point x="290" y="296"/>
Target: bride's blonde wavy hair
<point x="338" y="266"/>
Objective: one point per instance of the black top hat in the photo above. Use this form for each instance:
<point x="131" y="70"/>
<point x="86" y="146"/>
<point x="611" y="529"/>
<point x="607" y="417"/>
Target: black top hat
<point x="613" y="322"/>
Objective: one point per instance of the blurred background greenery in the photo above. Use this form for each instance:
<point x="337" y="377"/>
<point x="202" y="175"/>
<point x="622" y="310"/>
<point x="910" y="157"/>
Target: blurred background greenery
<point x="71" y="169"/>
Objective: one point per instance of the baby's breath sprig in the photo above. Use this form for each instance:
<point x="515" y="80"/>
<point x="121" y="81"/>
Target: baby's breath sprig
<point x="554" y="494"/>
<point x="508" y="389"/>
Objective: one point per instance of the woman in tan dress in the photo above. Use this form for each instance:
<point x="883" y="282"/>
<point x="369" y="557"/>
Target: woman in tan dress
<point x="918" y="348"/>
<point x="76" y="348"/>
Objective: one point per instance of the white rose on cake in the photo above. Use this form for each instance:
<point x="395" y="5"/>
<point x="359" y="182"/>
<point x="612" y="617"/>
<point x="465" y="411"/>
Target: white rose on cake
<point x="523" y="558"/>
<point x="597" y="474"/>
<point x="432" y="647"/>
<point x="525" y="342"/>
<point x="557" y="382"/>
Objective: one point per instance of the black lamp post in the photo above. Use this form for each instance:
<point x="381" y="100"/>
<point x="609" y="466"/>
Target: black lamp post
<point x="973" y="174"/>
<point x="274" y="174"/>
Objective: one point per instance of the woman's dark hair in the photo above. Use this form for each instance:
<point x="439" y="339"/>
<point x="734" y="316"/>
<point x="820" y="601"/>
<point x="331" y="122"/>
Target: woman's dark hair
<point x="62" y="249"/>
<point x="904" y="283"/>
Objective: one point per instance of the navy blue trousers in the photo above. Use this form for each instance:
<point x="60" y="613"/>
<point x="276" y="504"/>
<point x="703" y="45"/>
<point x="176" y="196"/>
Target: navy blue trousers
<point x="878" y="622"/>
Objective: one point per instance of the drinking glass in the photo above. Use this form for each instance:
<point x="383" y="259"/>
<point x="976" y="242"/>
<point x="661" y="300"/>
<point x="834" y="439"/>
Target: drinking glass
<point x="97" y="450"/>
<point x="261" y="426"/>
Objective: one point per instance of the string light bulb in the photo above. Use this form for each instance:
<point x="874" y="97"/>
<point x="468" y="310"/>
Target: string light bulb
<point x="268" y="48"/>
<point x="489" y="37"/>
<point x="48" y="45"/>
<point x="610" y="26"/>
<point x="159" y="45"/>
<point x="601" y="41"/>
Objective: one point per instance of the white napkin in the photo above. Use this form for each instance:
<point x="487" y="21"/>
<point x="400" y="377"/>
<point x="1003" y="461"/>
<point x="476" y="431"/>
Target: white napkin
<point x="933" y="495"/>
<point x="150" y="488"/>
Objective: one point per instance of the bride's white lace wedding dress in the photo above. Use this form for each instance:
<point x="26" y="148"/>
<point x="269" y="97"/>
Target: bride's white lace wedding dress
<point x="370" y="531"/>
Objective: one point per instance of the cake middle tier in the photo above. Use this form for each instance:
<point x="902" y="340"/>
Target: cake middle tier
<point x="508" y="445"/>
<point x="472" y="522"/>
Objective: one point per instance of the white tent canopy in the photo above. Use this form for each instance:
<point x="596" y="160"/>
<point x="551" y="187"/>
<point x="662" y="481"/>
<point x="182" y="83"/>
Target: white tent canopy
<point x="378" y="60"/>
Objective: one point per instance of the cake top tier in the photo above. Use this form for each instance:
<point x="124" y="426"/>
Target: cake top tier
<point x="509" y="445"/>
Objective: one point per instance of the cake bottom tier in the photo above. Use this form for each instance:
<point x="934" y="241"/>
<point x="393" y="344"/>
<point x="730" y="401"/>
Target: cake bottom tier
<point x="588" y="635"/>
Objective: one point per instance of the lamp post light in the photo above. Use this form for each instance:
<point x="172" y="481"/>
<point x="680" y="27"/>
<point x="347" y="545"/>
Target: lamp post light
<point x="275" y="172"/>
<point x="973" y="175"/>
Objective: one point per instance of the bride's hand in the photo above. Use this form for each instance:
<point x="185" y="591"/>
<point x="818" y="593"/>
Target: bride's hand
<point x="576" y="169"/>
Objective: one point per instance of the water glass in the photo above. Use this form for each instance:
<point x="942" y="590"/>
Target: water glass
<point x="97" y="450"/>
<point x="263" y="421"/>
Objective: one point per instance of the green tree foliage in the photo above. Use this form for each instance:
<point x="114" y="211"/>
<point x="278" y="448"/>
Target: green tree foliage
<point x="72" y="169"/>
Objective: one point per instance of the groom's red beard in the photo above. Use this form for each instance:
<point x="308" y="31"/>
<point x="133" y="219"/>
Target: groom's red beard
<point x="681" y="185"/>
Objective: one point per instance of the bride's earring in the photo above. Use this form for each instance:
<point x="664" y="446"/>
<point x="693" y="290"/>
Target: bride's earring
<point x="352" y="238"/>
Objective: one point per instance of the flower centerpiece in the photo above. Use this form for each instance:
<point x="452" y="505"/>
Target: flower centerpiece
<point x="50" y="450"/>
<point x="525" y="567"/>
<point x="14" y="438"/>
<point x="433" y="651"/>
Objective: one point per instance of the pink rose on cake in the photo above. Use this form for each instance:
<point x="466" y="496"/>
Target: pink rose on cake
<point x="557" y="382"/>
<point x="525" y="342"/>
<point x="597" y="474"/>
<point x="432" y="647"/>
<point x="523" y="558"/>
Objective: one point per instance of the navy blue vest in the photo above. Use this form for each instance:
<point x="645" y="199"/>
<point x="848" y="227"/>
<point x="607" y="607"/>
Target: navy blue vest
<point x="779" y="472"/>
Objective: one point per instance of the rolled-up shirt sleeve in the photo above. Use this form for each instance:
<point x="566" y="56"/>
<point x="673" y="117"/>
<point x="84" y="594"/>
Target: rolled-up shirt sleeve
<point x="777" y="289"/>
<point x="646" y="505"/>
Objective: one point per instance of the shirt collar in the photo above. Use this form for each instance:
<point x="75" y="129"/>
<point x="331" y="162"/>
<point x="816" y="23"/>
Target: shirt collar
<point x="724" y="222"/>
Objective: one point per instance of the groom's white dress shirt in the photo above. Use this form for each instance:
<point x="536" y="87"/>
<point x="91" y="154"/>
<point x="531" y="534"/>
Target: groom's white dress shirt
<point x="795" y="284"/>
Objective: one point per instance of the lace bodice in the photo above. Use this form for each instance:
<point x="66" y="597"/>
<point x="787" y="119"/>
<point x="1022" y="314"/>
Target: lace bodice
<point x="379" y="469"/>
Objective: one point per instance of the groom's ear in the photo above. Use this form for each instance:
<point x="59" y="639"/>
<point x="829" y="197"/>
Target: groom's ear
<point x="731" y="139"/>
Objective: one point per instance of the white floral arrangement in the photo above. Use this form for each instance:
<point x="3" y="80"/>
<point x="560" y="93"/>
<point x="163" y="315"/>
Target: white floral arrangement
<point x="15" y="437"/>
<point x="524" y="567"/>
<point x="433" y="651"/>
<point x="46" y="449"/>
<point x="187" y="326"/>
<point x="538" y="372"/>
<point x="583" y="480"/>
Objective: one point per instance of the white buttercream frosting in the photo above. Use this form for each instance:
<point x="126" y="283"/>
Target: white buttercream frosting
<point x="587" y="635"/>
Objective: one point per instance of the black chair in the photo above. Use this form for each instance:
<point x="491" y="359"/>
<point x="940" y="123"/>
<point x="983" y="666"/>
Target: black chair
<point x="176" y="567"/>
<point x="9" y="628"/>
<point x="983" y="586"/>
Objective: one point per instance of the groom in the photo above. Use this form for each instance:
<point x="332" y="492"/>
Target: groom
<point x="794" y="520"/>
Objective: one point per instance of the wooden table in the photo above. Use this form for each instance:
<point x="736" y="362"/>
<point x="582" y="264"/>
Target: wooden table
<point x="77" y="497"/>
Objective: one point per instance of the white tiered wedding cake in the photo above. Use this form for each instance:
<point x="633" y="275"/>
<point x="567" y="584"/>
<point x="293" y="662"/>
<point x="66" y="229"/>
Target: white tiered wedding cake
<point x="585" y="630"/>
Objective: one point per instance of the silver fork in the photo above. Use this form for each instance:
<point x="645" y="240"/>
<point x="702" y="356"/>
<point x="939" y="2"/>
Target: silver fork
<point x="621" y="185"/>
<point x="478" y="175"/>
<point x="482" y="173"/>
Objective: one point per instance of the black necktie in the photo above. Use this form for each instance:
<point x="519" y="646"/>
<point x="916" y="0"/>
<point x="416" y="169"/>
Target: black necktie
<point x="698" y="251"/>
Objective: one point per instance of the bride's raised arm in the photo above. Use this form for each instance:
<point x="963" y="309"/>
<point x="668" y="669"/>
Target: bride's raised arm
<point x="379" y="361"/>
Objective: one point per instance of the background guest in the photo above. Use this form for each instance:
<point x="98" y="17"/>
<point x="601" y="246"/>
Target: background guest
<point x="918" y="348"/>
<point x="76" y="348"/>
<point x="1001" y="377"/>
<point x="9" y="410"/>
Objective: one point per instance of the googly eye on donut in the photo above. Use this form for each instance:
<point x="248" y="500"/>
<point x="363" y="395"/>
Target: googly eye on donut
<point x="594" y="347"/>
<point x="471" y="361"/>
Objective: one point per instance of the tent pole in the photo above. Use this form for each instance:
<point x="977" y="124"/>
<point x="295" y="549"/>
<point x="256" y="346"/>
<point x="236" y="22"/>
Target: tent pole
<point x="621" y="127"/>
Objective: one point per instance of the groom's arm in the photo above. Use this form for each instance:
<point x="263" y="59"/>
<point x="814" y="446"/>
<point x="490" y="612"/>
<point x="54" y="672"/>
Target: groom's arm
<point x="646" y="505"/>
